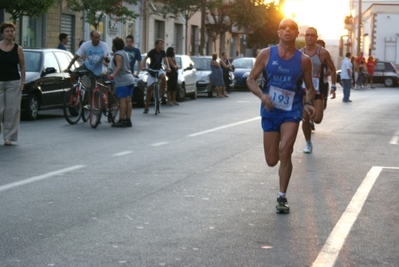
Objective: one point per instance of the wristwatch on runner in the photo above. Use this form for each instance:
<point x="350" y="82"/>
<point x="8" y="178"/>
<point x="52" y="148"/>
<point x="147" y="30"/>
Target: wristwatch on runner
<point x="333" y="87"/>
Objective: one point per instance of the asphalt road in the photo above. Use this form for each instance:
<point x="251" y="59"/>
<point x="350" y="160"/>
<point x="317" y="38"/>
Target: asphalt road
<point x="190" y="187"/>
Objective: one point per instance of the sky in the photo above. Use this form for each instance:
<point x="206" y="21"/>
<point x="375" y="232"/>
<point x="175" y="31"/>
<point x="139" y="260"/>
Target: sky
<point x="327" y="16"/>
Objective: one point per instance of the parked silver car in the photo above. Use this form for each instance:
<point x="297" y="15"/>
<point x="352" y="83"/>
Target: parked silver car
<point x="203" y="66"/>
<point x="187" y="78"/>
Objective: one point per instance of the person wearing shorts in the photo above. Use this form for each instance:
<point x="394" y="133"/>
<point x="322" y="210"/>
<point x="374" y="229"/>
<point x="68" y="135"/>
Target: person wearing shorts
<point x="155" y="55"/>
<point x="319" y="57"/>
<point x="284" y="68"/>
<point x="124" y="80"/>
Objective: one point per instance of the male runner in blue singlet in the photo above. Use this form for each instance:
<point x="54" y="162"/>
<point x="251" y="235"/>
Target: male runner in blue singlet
<point x="319" y="57"/>
<point x="284" y="68"/>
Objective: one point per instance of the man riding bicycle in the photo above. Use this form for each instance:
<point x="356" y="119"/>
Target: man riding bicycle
<point x="96" y="53"/>
<point x="156" y="55"/>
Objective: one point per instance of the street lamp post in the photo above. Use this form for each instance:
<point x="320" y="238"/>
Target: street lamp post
<point x="203" y="13"/>
<point x="359" y="27"/>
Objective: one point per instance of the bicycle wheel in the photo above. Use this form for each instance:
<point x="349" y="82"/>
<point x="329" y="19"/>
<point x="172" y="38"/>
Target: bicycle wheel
<point x="72" y="106"/>
<point x="86" y="106"/>
<point x="113" y="111"/>
<point x="95" y="108"/>
<point x="156" y="98"/>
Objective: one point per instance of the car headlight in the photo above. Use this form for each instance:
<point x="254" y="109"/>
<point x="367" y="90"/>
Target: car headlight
<point x="245" y="75"/>
<point x="205" y="79"/>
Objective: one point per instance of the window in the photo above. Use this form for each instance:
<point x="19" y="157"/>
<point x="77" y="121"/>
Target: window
<point x="177" y="37"/>
<point x="68" y="27"/>
<point x="32" y="30"/>
<point x="159" y="30"/>
<point x="51" y="62"/>
<point x="32" y="61"/>
<point x="63" y="60"/>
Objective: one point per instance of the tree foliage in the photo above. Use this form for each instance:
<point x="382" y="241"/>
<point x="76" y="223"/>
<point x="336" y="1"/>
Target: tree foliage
<point x="219" y="20"/>
<point x="258" y="19"/>
<point x="185" y="8"/>
<point x="96" y="10"/>
<point x="264" y="33"/>
<point x="19" y="8"/>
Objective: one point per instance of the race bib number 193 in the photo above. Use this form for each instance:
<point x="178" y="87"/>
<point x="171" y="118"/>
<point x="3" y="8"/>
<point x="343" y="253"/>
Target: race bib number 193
<point x="282" y="99"/>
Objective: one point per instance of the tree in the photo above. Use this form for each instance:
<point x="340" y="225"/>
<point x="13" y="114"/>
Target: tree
<point x="248" y="14"/>
<point x="218" y="22"/>
<point x="96" y="10"/>
<point x="19" y="8"/>
<point x="184" y="8"/>
<point x="265" y="33"/>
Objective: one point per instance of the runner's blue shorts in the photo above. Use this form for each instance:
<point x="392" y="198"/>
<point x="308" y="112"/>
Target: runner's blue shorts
<point x="124" y="91"/>
<point x="273" y="124"/>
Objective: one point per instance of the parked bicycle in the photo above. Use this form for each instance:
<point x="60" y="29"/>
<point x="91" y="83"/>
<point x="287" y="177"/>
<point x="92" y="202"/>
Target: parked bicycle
<point x="77" y="99"/>
<point x="157" y="90"/>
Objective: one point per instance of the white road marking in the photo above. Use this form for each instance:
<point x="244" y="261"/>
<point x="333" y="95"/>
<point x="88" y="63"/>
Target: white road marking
<point x="223" y="127"/>
<point x="160" y="144"/>
<point x="329" y="253"/>
<point x="39" y="178"/>
<point x="395" y="139"/>
<point x="122" y="153"/>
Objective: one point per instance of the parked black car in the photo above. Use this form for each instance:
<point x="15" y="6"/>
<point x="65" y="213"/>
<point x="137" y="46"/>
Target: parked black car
<point x="384" y="73"/>
<point x="46" y="83"/>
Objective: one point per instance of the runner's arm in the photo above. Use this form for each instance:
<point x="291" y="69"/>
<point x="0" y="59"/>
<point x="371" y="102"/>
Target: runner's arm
<point x="261" y="61"/>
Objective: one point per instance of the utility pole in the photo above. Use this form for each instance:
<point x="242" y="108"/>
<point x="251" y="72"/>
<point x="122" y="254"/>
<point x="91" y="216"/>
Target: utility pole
<point x="359" y="27"/>
<point x="203" y="13"/>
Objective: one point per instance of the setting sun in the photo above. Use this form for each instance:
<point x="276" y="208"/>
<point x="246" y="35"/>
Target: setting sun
<point x="326" y="16"/>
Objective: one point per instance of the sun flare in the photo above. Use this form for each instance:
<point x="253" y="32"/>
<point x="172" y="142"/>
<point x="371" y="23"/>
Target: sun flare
<point x="327" y="16"/>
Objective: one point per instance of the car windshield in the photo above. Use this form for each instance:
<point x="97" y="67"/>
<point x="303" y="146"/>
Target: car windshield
<point x="32" y="61"/>
<point x="243" y="63"/>
<point x="178" y="61"/>
<point x="202" y="63"/>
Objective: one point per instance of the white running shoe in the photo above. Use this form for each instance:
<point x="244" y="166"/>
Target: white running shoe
<point x="308" y="149"/>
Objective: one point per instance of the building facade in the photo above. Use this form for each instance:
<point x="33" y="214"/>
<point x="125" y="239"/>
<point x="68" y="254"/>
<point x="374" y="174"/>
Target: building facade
<point x="372" y="29"/>
<point x="43" y="31"/>
<point x="153" y="22"/>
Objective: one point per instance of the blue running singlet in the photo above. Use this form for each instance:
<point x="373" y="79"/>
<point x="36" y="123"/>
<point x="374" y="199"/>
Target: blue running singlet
<point x="283" y="84"/>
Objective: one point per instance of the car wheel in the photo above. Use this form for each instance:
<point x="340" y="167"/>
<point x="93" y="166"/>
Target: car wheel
<point x="389" y="82"/>
<point x="181" y="93"/>
<point x="32" y="107"/>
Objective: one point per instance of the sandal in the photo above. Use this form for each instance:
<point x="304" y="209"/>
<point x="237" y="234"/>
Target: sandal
<point x="7" y="143"/>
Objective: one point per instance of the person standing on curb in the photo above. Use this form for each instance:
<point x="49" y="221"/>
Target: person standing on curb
<point x="346" y="74"/>
<point x="370" y="65"/>
<point x="11" y="83"/>
<point x="63" y="37"/>
<point x="284" y="68"/>
<point x="172" y="77"/>
<point x="134" y="55"/>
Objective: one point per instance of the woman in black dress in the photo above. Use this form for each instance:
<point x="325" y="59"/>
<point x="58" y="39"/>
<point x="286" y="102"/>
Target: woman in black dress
<point x="172" y="77"/>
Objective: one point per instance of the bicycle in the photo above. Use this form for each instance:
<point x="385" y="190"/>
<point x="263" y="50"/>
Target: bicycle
<point x="157" y="90"/>
<point x="76" y="100"/>
<point x="100" y="104"/>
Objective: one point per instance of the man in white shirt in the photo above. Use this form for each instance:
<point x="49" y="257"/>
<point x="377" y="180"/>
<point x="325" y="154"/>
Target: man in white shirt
<point x="346" y="74"/>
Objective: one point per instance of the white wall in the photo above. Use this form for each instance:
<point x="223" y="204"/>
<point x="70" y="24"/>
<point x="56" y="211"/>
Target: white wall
<point x="385" y="45"/>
